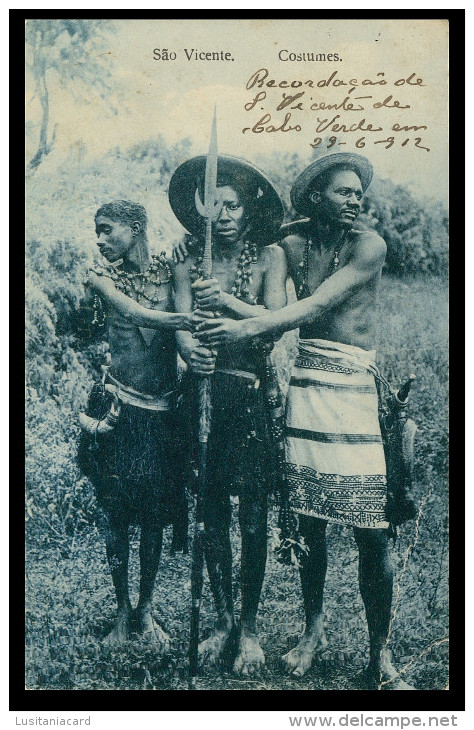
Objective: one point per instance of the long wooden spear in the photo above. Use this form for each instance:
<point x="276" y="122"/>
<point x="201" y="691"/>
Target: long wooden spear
<point x="209" y="210"/>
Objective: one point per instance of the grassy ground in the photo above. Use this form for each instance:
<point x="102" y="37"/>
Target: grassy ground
<point x="70" y="600"/>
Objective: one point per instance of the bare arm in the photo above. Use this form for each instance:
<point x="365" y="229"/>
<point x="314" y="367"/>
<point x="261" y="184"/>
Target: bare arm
<point x="183" y="300"/>
<point x="133" y="312"/>
<point x="211" y="298"/>
<point x="367" y="260"/>
<point x="274" y="281"/>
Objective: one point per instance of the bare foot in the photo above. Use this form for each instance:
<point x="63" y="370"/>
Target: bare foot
<point x="152" y="631"/>
<point x="384" y="676"/>
<point x="211" y="649"/>
<point x="250" y="657"/>
<point x="121" y="629"/>
<point x="300" y="659"/>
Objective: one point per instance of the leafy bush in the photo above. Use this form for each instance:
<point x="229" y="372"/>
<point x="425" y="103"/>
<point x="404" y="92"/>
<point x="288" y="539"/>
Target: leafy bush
<point x="416" y="234"/>
<point x="60" y="501"/>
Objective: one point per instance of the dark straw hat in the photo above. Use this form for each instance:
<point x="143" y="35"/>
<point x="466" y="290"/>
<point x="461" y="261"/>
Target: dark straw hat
<point x="267" y="208"/>
<point x="302" y="187"/>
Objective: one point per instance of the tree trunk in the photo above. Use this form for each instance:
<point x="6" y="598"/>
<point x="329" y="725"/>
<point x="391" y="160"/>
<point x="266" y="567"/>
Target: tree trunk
<point x="44" y="147"/>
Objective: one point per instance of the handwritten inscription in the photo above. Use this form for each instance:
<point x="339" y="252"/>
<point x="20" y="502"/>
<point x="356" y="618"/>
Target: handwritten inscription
<point x="286" y="105"/>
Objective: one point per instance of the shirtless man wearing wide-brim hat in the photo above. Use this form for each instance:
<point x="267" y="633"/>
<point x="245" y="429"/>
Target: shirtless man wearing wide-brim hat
<point x="248" y="278"/>
<point x="334" y="452"/>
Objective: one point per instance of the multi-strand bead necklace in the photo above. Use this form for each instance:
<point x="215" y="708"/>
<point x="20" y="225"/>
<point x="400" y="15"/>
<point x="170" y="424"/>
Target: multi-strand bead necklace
<point x="243" y="277"/>
<point x="240" y="288"/>
<point x="134" y="283"/>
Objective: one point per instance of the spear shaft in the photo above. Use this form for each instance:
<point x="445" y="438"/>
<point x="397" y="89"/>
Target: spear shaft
<point x="209" y="210"/>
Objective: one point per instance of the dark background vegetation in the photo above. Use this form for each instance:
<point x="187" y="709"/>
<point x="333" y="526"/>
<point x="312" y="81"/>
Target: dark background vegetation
<point x="70" y="601"/>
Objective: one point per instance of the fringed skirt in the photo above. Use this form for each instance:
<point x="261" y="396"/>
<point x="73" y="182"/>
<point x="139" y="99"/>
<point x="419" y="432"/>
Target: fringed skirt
<point x="240" y="459"/>
<point x="139" y="469"/>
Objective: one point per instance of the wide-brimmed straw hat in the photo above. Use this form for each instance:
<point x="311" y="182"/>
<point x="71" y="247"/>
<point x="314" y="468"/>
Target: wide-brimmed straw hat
<point x="302" y="187"/>
<point x="267" y="208"/>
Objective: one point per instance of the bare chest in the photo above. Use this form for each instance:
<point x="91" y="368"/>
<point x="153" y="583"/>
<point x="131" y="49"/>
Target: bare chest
<point x="310" y="266"/>
<point x="148" y="295"/>
<point x="142" y="357"/>
<point x="233" y="277"/>
<point x="130" y="340"/>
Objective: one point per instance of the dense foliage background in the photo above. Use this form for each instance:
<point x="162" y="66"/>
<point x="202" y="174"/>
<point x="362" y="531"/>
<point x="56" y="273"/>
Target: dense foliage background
<point x="69" y="595"/>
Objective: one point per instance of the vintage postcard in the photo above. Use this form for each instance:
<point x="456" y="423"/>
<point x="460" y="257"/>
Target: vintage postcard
<point x="237" y="354"/>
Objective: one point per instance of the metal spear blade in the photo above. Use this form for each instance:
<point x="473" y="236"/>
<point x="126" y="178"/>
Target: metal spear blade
<point x="211" y="206"/>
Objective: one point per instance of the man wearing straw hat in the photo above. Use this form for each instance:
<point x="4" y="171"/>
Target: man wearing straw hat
<point x="248" y="276"/>
<point x="335" y="459"/>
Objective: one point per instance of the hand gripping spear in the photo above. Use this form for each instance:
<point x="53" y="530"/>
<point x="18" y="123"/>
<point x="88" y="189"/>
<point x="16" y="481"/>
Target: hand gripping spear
<point x="210" y="211"/>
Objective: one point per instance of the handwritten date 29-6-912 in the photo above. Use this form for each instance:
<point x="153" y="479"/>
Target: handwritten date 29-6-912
<point x="361" y="142"/>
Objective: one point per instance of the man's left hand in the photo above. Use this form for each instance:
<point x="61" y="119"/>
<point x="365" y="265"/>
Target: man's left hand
<point x="221" y="331"/>
<point x="209" y="295"/>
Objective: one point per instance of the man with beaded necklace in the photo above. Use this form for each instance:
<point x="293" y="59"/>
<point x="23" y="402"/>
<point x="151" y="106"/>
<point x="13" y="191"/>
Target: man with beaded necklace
<point x="248" y="279"/>
<point x="335" y="460"/>
<point x="130" y="448"/>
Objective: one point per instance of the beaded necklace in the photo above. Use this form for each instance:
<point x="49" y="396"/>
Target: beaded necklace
<point x="243" y="276"/>
<point x="240" y="287"/>
<point x="133" y="284"/>
<point x="303" y="290"/>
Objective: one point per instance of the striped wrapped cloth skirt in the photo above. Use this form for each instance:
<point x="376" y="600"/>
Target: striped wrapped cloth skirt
<point x="334" y="451"/>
